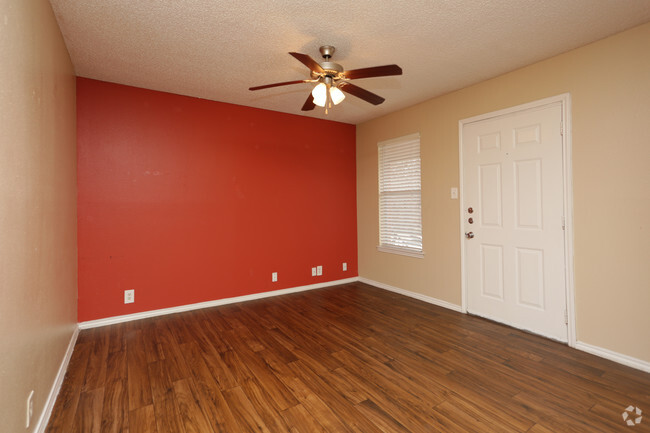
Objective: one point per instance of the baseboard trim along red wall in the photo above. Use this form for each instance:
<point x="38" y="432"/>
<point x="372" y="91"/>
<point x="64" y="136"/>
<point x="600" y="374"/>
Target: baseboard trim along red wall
<point x="209" y="304"/>
<point x="185" y="200"/>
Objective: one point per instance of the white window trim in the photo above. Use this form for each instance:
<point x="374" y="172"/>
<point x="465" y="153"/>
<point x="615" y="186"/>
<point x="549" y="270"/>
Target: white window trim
<point x="392" y="249"/>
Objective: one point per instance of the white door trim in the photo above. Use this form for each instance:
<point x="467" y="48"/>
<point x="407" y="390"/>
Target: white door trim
<point x="567" y="172"/>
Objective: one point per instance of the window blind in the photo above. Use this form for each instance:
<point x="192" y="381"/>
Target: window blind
<point x="400" y="198"/>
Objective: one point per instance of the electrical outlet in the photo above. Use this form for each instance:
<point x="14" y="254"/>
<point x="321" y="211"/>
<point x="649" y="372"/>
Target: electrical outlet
<point x="313" y="272"/>
<point x="129" y="296"/>
<point x="30" y="409"/>
<point x="274" y="277"/>
<point x="319" y="270"/>
<point x="345" y="266"/>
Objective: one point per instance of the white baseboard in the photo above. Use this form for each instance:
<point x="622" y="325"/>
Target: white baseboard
<point x="208" y="304"/>
<point x="594" y="350"/>
<point x="425" y="298"/>
<point x="56" y="387"/>
<point x="614" y="356"/>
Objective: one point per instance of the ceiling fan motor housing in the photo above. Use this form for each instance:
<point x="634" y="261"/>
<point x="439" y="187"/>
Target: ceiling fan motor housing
<point x="331" y="69"/>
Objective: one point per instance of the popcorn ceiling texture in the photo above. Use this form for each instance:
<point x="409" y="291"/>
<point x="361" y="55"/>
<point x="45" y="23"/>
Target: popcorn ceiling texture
<point x="217" y="49"/>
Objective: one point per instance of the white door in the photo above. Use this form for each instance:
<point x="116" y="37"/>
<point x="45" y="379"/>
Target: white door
<point x="513" y="206"/>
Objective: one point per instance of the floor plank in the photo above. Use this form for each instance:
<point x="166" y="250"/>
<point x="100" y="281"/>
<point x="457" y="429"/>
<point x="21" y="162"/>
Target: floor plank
<point x="192" y="416"/>
<point x="89" y="412"/>
<point x="350" y="358"/>
<point x="143" y="420"/>
<point x="301" y="421"/>
<point x="115" y="414"/>
<point x="139" y="387"/>
<point x="246" y="415"/>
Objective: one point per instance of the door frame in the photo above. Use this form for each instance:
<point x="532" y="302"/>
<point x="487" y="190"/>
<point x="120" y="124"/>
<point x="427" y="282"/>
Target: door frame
<point x="567" y="172"/>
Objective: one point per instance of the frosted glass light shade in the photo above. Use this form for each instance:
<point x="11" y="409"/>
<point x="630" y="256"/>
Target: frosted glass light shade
<point x="320" y="94"/>
<point x="337" y="95"/>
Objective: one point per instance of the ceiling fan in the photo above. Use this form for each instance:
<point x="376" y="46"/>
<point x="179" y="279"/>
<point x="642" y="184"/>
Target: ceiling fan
<point x="333" y="80"/>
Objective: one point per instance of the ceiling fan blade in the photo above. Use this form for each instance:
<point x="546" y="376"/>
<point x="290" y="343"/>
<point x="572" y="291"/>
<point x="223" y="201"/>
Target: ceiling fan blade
<point x="286" y="83"/>
<point x="375" y="71"/>
<point x="361" y="93"/>
<point x="309" y="103"/>
<point x="308" y="61"/>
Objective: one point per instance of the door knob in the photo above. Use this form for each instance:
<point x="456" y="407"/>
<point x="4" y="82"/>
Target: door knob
<point x="469" y="235"/>
<point x="470" y="210"/>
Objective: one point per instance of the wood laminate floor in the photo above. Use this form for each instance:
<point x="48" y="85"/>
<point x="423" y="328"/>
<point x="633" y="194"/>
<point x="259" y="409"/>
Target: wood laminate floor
<point x="350" y="358"/>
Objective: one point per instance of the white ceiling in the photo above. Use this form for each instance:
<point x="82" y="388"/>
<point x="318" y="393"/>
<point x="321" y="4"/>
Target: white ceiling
<point x="217" y="49"/>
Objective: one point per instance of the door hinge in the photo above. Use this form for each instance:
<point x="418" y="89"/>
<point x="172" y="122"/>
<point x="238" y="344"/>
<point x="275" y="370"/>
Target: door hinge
<point x="566" y="317"/>
<point x="563" y="223"/>
<point x="562" y="127"/>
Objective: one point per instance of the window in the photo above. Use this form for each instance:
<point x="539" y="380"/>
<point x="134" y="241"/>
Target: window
<point x="400" y="197"/>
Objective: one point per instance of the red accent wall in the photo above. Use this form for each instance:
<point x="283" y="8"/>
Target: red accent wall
<point x="187" y="200"/>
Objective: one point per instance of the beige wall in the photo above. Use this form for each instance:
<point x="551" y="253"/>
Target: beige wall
<point x="38" y="227"/>
<point x="609" y="82"/>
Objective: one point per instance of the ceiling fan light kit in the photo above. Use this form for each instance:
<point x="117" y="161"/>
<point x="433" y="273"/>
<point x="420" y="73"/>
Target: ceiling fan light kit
<point x="336" y="95"/>
<point x="320" y="94"/>
<point x="324" y="92"/>
<point x="333" y="80"/>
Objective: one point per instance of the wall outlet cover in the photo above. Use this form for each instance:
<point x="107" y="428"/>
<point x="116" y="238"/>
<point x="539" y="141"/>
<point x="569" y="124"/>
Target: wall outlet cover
<point x="129" y="296"/>
<point x="30" y="409"/>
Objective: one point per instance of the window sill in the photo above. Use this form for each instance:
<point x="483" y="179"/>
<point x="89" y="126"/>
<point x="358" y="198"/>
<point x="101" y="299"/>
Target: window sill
<point x="401" y="251"/>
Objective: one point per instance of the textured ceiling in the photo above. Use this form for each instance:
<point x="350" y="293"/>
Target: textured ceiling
<point x="217" y="49"/>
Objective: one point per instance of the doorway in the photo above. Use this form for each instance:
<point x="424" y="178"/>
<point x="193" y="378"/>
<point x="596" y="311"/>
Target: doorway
<point x="516" y="217"/>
